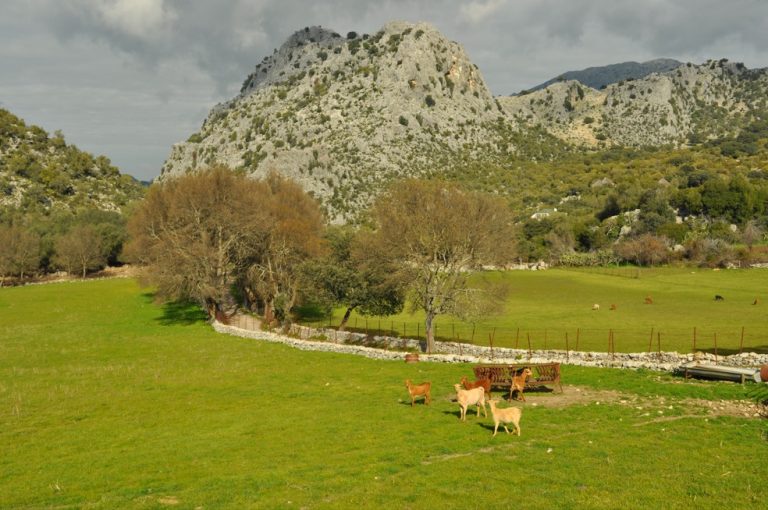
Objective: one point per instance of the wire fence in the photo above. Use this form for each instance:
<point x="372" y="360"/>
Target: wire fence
<point x="719" y="341"/>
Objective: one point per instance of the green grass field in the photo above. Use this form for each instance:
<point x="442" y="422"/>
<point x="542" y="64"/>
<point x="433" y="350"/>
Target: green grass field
<point x="110" y="401"/>
<point x="546" y="305"/>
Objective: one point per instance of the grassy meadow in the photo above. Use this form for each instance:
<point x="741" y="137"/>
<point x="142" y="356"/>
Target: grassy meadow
<point x="108" y="400"/>
<point x="545" y="305"/>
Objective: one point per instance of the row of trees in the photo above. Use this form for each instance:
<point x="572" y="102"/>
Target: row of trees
<point x="78" y="250"/>
<point x="215" y="236"/>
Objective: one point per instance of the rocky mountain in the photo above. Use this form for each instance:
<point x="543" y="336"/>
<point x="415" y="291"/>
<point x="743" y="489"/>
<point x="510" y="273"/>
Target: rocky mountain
<point x="602" y="76"/>
<point x="690" y="104"/>
<point x="344" y="115"/>
<point x="42" y="172"/>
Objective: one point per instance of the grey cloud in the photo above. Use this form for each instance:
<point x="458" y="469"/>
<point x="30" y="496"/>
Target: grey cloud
<point x="128" y="68"/>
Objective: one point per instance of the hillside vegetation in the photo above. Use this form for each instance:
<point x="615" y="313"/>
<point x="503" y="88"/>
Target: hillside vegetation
<point x="60" y="207"/>
<point x="41" y="172"/>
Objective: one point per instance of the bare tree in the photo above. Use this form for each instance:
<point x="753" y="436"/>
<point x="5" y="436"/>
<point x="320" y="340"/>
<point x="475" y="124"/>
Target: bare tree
<point x="200" y="234"/>
<point x="19" y="251"/>
<point x="290" y="235"/>
<point x="192" y="234"/>
<point x="79" y="249"/>
<point x="431" y="235"/>
<point x="752" y="234"/>
<point x="646" y="250"/>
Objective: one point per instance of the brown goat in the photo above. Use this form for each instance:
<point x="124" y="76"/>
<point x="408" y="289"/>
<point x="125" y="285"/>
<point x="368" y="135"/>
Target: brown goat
<point x="613" y="306"/>
<point x="648" y="300"/>
<point x="479" y="383"/>
<point x="419" y="390"/>
<point x="518" y="384"/>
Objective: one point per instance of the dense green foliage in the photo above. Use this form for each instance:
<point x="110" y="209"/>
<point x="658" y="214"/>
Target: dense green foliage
<point x="682" y="195"/>
<point x="107" y="401"/>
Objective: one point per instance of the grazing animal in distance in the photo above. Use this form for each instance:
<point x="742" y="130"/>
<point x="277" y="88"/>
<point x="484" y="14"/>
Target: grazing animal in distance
<point x="518" y="384"/>
<point x="479" y="383"/>
<point x="613" y="306"/>
<point x="648" y="300"/>
<point x="509" y="415"/>
<point x="718" y="297"/>
<point x="595" y="306"/>
<point x="468" y="398"/>
<point x="419" y="390"/>
<point x="756" y="301"/>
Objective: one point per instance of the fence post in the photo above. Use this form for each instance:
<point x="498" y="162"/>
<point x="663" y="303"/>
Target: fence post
<point x="418" y="330"/>
<point x="517" y="337"/>
<point x="658" y="340"/>
<point x="650" y="342"/>
<point x="472" y="340"/>
<point x="490" y="342"/>
<point x="530" y="351"/>
<point x="566" y="346"/>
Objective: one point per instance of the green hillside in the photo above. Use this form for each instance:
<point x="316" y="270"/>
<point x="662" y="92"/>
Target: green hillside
<point x="40" y="172"/>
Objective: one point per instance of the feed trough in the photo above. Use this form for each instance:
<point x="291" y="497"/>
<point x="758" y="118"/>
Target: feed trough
<point x="719" y="372"/>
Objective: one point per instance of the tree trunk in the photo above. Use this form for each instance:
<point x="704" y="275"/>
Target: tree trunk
<point x="269" y="312"/>
<point x="429" y="332"/>
<point x="344" y="320"/>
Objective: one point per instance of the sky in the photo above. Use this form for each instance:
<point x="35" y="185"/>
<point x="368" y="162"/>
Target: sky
<point x="129" y="78"/>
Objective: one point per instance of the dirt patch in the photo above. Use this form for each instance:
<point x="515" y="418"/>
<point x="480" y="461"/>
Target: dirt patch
<point x="580" y="395"/>
<point x="570" y="396"/>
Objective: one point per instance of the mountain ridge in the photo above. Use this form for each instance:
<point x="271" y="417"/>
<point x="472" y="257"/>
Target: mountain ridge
<point x="346" y="115"/>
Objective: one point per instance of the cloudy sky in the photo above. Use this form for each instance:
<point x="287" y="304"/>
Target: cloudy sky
<point x="128" y="78"/>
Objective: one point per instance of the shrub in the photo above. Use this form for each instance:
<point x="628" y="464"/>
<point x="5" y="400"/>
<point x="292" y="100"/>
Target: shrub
<point x="402" y="120"/>
<point x="430" y="101"/>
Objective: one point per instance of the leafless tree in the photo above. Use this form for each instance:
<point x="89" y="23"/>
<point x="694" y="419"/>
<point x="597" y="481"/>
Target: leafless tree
<point x="79" y="249"/>
<point x="431" y="235"/>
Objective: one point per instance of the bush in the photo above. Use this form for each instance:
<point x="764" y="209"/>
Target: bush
<point x="430" y="101"/>
<point x="402" y="120"/>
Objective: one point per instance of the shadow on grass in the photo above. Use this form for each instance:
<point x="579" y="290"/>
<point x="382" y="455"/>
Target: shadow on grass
<point x="761" y="349"/>
<point x="177" y="313"/>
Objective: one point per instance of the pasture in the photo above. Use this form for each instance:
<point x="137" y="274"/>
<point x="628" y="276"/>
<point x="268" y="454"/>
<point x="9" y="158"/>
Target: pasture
<point x="545" y="305"/>
<point x="108" y="400"/>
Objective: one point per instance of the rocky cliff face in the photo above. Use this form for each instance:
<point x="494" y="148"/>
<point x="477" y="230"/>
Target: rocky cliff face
<point x="602" y="76"/>
<point x="344" y="115"/>
<point x="688" y="104"/>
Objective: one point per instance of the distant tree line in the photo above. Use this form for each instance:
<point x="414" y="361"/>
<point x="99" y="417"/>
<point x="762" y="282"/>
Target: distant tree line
<point x="79" y="243"/>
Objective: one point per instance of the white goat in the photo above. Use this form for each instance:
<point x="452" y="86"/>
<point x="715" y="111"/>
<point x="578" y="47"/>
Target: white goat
<point x="504" y="416"/>
<point x="468" y="398"/>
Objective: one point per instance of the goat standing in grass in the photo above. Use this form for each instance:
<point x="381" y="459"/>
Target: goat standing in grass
<point x="509" y="415"/>
<point x="468" y="398"/>
<point x="479" y="383"/>
<point x="419" y="390"/>
<point x="518" y="384"/>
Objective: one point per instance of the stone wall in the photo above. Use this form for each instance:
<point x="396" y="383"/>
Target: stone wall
<point x="392" y="348"/>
